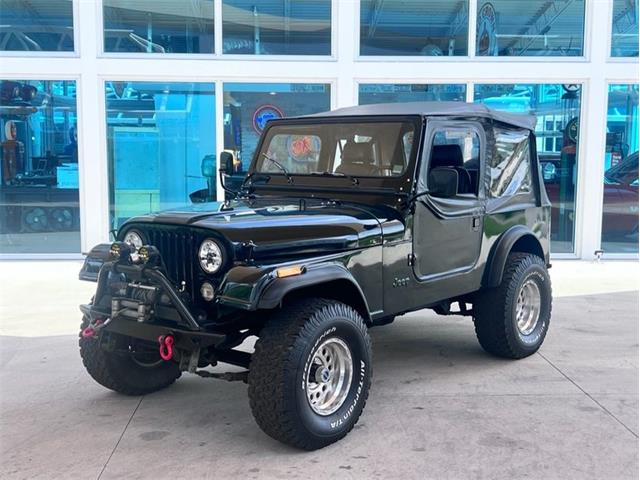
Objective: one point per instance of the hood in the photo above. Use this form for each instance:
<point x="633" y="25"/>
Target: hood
<point x="282" y="227"/>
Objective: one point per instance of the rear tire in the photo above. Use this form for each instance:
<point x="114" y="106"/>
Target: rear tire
<point x="512" y="320"/>
<point x="122" y="372"/>
<point x="294" y="394"/>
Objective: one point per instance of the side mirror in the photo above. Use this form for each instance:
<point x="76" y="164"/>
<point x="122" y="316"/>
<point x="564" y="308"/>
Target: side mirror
<point x="226" y="163"/>
<point x="443" y="182"/>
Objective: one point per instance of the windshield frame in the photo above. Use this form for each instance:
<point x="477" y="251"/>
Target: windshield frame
<point x="279" y="179"/>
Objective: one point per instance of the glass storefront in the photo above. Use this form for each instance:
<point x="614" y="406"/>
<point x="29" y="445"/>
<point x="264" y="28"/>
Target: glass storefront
<point x="414" y="28"/>
<point x="620" y="201"/>
<point x="532" y="28"/>
<point x="39" y="201"/>
<point x="624" y="28"/>
<point x="249" y="106"/>
<point x="369" y="93"/>
<point x="160" y="145"/>
<point x="557" y="108"/>
<point x="162" y="26"/>
<point x="276" y="27"/>
<point x="36" y="25"/>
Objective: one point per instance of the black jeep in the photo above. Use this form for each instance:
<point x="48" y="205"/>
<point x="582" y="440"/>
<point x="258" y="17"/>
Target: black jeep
<point x="345" y="221"/>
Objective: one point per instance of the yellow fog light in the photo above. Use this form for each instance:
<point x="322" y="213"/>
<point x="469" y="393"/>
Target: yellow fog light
<point x="290" y="271"/>
<point x="120" y="251"/>
<point x="149" y="254"/>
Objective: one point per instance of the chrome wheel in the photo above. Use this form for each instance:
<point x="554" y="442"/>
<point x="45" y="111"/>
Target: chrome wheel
<point x="528" y="307"/>
<point x="328" y="376"/>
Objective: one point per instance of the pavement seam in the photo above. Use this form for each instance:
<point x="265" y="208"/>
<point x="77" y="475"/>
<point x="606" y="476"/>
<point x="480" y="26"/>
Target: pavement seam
<point x="119" y="439"/>
<point x="605" y="409"/>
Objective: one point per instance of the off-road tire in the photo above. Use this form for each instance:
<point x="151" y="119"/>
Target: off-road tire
<point x="277" y="391"/>
<point x="121" y="373"/>
<point x="495" y="309"/>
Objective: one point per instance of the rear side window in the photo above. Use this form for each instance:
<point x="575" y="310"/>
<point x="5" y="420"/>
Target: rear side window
<point x="511" y="163"/>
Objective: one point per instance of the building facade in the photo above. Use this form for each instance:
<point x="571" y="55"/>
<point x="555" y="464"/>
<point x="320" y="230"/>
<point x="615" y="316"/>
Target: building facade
<point x="114" y="108"/>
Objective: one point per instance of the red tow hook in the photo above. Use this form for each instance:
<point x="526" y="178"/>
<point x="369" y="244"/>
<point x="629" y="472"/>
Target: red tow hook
<point x="90" y="331"/>
<point x="166" y="347"/>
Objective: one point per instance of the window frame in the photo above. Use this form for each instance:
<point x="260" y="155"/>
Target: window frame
<point x="218" y="53"/>
<point x="75" y="25"/>
<point x="442" y="123"/>
<point x="472" y="40"/>
<point x="268" y="136"/>
<point x="609" y="32"/>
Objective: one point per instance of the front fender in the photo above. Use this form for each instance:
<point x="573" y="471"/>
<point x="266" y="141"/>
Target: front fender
<point x="254" y="288"/>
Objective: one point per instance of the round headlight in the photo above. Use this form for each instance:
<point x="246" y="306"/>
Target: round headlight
<point x="134" y="239"/>
<point x="210" y="256"/>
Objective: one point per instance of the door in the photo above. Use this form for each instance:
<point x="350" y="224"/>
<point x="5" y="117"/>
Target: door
<point x="447" y="228"/>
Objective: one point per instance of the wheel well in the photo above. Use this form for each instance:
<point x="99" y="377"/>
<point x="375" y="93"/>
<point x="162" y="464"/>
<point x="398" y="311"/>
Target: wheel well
<point x="525" y="243"/>
<point x="342" y="290"/>
<point x="528" y="244"/>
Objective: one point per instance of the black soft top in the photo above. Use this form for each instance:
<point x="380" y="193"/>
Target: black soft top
<point x="429" y="109"/>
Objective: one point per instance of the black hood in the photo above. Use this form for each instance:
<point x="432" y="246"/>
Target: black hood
<point x="289" y="225"/>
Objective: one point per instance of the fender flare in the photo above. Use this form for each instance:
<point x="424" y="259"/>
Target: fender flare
<point x="275" y="291"/>
<point x="500" y="251"/>
<point x="256" y="288"/>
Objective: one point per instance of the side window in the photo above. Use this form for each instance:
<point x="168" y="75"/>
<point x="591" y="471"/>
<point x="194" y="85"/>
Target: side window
<point x="510" y="166"/>
<point x="457" y="149"/>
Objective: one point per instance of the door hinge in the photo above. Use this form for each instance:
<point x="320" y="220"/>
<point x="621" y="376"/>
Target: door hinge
<point x="411" y="259"/>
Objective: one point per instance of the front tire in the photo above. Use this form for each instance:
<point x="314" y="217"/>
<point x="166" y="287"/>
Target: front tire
<point x="512" y="320"/>
<point x="310" y="373"/>
<point x="123" y="371"/>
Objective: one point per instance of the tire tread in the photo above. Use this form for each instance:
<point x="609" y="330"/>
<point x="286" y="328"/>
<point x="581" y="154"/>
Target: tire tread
<point x="290" y="328"/>
<point x="493" y="308"/>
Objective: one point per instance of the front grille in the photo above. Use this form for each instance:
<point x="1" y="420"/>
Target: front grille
<point x="178" y="247"/>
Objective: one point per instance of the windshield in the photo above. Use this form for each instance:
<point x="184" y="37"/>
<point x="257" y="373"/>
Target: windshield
<point x="373" y="149"/>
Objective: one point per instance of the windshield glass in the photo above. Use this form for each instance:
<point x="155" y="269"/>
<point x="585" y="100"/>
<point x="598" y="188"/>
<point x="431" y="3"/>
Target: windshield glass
<point x="373" y="149"/>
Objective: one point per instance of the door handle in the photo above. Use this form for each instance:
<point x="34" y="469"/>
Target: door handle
<point x="475" y="223"/>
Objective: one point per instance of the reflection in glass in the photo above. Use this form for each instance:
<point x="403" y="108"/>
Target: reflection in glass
<point x="532" y="28"/>
<point x="369" y="93"/>
<point x="249" y="106"/>
<point x="620" y="208"/>
<point x="36" y="25"/>
<point x="162" y="26"/>
<point x="557" y="108"/>
<point x="277" y="27"/>
<point x="624" y="29"/>
<point x="510" y="167"/>
<point x="414" y="27"/>
<point x="161" y="146"/>
<point x="39" y="210"/>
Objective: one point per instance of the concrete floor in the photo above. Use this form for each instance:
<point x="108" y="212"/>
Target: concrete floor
<point x="439" y="406"/>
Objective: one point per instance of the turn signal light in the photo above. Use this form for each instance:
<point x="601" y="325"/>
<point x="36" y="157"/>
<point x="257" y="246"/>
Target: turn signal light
<point x="290" y="271"/>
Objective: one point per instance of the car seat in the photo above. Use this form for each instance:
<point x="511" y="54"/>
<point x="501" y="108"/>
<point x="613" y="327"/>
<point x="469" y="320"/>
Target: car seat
<point x="451" y="156"/>
<point x="357" y="160"/>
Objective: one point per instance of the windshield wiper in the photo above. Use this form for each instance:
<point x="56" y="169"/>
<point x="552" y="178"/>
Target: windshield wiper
<point x="279" y="165"/>
<point x="336" y="174"/>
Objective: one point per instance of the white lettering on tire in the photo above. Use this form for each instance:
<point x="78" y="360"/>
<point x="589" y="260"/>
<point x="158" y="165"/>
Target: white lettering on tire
<point x="352" y="407"/>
